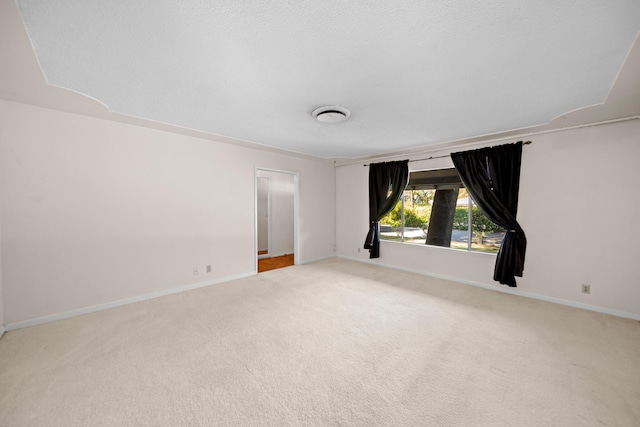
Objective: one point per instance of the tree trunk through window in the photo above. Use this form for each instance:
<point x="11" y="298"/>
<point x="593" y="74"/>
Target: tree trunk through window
<point x="442" y="213"/>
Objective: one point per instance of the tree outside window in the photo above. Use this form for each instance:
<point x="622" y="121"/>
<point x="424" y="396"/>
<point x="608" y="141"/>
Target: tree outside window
<point x="434" y="210"/>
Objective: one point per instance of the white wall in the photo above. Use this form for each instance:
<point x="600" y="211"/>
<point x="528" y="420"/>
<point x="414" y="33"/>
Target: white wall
<point x="94" y="211"/>
<point x="1" y="294"/>
<point x="578" y="207"/>
<point x="282" y="188"/>
<point x="262" y="188"/>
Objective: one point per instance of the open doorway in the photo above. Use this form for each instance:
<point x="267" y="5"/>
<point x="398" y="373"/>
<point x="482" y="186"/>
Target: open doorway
<point x="276" y="218"/>
<point x="263" y="203"/>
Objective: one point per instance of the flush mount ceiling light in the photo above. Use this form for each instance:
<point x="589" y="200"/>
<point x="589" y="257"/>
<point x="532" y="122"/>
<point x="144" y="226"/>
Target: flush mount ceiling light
<point x="331" y="114"/>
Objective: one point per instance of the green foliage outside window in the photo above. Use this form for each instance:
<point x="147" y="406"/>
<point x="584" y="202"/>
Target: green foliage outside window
<point x="418" y="204"/>
<point x="412" y="217"/>
<point x="480" y="225"/>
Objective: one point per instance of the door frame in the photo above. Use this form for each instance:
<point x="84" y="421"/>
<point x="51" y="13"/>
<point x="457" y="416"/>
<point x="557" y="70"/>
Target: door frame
<point x="296" y="213"/>
<point x="269" y="252"/>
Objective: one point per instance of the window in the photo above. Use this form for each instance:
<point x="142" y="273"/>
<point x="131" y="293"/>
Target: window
<point x="435" y="209"/>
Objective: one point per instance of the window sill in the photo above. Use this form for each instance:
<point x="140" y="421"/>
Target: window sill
<point x="438" y="248"/>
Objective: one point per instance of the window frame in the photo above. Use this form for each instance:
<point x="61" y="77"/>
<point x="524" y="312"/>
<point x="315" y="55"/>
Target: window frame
<point x="470" y="206"/>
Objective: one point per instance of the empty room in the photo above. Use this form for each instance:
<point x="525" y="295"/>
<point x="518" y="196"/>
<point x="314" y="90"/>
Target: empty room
<point x="368" y="213"/>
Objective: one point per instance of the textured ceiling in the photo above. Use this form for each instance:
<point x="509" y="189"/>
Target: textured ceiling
<point x="412" y="73"/>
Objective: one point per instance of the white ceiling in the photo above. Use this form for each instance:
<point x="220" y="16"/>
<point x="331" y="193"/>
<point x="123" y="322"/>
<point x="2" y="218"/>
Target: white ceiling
<point x="412" y="73"/>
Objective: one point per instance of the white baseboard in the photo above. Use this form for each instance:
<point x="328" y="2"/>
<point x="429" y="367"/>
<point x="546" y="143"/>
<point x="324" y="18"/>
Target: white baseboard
<point x="309" y="261"/>
<point x="264" y="256"/>
<point x="105" y="306"/>
<point x="505" y="289"/>
<point x="118" y="303"/>
<point x="279" y="254"/>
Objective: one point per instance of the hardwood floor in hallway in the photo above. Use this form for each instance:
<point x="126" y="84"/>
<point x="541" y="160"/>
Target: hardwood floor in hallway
<point x="273" y="263"/>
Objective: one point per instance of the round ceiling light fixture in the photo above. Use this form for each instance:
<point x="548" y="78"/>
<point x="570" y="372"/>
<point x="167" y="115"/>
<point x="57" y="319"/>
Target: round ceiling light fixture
<point x="331" y="114"/>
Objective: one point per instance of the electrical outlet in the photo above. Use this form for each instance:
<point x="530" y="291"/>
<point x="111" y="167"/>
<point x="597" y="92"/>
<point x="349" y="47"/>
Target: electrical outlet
<point x="358" y="250"/>
<point x="208" y="268"/>
<point x="586" y="289"/>
<point x="195" y="270"/>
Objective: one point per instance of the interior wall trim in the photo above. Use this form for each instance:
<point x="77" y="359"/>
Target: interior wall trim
<point x="507" y="290"/>
<point x="296" y="213"/>
<point x="446" y="147"/>
<point x="99" y="307"/>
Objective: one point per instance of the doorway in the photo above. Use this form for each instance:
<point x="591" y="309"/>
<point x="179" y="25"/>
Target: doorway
<point x="276" y="218"/>
<point x="263" y="187"/>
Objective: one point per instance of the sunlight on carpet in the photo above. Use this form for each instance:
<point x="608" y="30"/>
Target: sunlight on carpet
<point x="331" y="343"/>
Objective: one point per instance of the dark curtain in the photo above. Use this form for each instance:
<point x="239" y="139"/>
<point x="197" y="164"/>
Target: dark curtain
<point x="492" y="178"/>
<point x="387" y="181"/>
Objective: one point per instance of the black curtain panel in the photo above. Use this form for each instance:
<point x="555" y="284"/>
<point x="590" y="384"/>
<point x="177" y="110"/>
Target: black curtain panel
<point x="492" y="177"/>
<point x="387" y="181"/>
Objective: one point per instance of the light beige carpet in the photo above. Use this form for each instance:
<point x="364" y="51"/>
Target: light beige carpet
<point x="331" y="343"/>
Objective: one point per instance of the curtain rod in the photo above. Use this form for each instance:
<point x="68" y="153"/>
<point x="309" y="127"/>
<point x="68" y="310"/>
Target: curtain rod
<point x="440" y="157"/>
